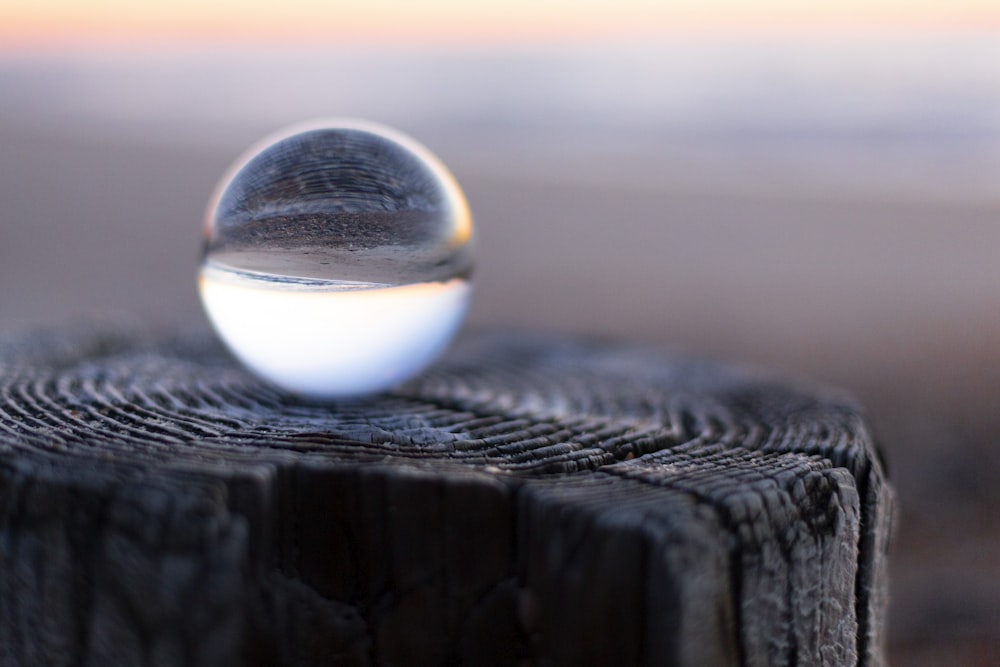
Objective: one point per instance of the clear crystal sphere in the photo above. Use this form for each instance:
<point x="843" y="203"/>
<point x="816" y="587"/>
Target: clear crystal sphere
<point x="337" y="258"/>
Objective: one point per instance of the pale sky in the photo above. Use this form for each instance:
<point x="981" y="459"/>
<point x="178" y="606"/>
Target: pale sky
<point x="61" y="22"/>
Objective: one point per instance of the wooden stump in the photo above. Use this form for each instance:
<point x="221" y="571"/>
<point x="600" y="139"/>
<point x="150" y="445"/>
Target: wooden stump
<point x="531" y="500"/>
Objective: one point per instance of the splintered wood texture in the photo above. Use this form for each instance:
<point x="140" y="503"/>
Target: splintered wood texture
<point x="531" y="500"/>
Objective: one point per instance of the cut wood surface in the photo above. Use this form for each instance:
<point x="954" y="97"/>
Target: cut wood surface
<point x="530" y="500"/>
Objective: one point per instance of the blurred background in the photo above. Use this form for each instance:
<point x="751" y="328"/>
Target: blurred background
<point x="813" y="187"/>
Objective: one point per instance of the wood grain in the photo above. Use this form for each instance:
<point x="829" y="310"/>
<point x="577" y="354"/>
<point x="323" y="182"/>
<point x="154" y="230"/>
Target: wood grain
<point x="531" y="500"/>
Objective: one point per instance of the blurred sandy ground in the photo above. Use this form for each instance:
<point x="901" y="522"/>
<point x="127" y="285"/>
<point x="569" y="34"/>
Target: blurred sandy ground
<point x="849" y="272"/>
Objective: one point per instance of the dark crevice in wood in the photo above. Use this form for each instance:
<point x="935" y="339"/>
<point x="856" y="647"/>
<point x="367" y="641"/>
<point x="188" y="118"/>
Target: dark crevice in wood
<point x="736" y="582"/>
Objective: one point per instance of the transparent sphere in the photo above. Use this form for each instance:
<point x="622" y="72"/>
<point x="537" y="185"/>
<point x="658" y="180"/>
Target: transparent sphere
<point x="337" y="258"/>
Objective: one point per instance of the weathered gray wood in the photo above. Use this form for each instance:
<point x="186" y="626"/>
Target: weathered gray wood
<point x="531" y="500"/>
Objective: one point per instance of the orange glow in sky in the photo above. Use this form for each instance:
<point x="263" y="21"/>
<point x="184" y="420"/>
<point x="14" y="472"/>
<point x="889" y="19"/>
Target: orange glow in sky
<point x="68" y="22"/>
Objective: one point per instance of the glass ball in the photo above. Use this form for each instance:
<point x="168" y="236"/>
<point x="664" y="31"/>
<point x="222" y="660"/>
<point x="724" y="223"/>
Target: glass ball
<point x="337" y="259"/>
